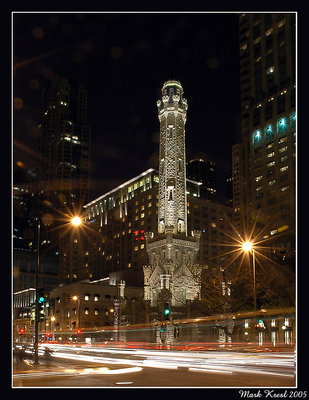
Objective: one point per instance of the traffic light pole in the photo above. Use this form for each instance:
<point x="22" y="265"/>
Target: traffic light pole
<point x="36" y="319"/>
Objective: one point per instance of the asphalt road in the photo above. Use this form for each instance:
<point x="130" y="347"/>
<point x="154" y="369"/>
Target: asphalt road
<point x="112" y="367"/>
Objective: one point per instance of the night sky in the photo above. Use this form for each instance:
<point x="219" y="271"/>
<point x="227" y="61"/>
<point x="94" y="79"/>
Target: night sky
<point x="123" y="59"/>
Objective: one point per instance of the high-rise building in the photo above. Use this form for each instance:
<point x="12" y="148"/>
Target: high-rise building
<point x="64" y="144"/>
<point x="201" y="169"/>
<point x="264" y="162"/>
<point x="229" y="188"/>
<point x="63" y="164"/>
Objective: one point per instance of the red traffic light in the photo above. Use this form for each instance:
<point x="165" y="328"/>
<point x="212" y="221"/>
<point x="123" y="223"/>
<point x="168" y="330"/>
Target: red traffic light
<point x="78" y="331"/>
<point x="22" y="330"/>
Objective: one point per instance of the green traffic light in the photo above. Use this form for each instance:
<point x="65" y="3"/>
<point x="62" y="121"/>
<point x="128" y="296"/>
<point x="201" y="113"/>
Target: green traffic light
<point x="166" y="312"/>
<point x="41" y="299"/>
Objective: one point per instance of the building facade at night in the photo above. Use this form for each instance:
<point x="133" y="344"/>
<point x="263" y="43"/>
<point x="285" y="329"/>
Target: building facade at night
<point x="116" y="223"/>
<point x="87" y="304"/>
<point x="264" y="162"/>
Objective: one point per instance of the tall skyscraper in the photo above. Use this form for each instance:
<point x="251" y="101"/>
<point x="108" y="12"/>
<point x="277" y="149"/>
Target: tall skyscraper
<point x="264" y="162"/>
<point x="64" y="144"/>
<point x="63" y="163"/>
<point x="172" y="275"/>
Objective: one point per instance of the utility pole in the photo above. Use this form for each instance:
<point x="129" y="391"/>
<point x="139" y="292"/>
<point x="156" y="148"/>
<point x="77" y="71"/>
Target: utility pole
<point x="36" y="319"/>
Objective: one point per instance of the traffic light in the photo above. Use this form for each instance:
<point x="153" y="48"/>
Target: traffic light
<point x="41" y="305"/>
<point x="21" y="330"/>
<point x="260" y="325"/>
<point x="166" y="311"/>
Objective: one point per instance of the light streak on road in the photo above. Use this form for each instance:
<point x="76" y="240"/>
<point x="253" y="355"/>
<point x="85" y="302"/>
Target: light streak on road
<point x="282" y="364"/>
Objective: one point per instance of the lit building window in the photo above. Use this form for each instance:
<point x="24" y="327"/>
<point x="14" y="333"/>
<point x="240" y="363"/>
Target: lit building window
<point x="285" y="168"/>
<point x="281" y="125"/>
<point x="270" y="70"/>
<point x="268" y="130"/>
<point x="87" y="296"/>
<point x="257" y="136"/>
<point x="281" y="23"/>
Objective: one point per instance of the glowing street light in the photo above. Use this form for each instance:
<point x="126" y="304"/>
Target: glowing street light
<point x="248" y="246"/>
<point x="76" y="221"/>
<point x="76" y="298"/>
<point x="53" y="319"/>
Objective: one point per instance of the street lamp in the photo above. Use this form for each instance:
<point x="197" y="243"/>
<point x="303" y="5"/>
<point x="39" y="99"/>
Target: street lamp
<point x="76" y="221"/>
<point x="248" y="246"/>
<point x="76" y="298"/>
<point x="52" y="320"/>
<point x="36" y="319"/>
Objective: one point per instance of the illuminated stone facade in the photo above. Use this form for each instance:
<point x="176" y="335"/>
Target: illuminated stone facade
<point x="172" y="275"/>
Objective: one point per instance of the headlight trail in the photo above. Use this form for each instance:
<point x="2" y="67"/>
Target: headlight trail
<point x="223" y="362"/>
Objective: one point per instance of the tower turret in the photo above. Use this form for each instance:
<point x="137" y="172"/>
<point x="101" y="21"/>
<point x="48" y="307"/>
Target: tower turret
<point x="172" y="113"/>
<point x="173" y="274"/>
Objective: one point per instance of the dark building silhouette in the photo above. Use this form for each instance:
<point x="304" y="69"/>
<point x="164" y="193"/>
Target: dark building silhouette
<point x="200" y="168"/>
<point x="64" y="144"/>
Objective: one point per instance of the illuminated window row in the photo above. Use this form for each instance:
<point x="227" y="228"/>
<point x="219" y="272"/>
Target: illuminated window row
<point x="269" y="130"/>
